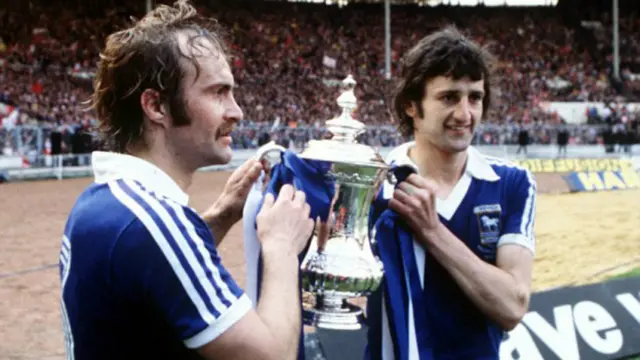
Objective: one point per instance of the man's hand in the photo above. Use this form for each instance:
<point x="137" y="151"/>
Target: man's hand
<point x="415" y="200"/>
<point x="284" y="225"/>
<point x="227" y="210"/>
<point x="272" y="331"/>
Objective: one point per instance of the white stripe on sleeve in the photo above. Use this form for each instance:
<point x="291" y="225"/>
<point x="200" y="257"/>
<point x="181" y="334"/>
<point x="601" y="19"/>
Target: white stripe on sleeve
<point x="148" y="221"/>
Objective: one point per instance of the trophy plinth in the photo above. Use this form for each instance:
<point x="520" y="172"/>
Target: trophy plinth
<point x="340" y="264"/>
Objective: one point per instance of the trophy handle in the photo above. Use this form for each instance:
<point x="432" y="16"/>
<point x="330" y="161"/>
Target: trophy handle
<point x="265" y="150"/>
<point x="262" y="155"/>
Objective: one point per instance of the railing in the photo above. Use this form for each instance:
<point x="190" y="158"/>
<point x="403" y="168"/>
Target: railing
<point x="79" y="165"/>
<point x="67" y="166"/>
<point x="31" y="141"/>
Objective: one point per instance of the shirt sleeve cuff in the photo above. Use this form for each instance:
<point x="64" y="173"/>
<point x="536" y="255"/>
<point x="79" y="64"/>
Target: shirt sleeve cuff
<point x="518" y="239"/>
<point x="234" y="313"/>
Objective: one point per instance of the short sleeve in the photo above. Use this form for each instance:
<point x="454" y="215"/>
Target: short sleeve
<point x="521" y="209"/>
<point x="168" y="259"/>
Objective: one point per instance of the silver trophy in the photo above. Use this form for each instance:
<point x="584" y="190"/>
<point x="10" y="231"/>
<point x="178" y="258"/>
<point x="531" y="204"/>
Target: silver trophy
<point x="340" y="264"/>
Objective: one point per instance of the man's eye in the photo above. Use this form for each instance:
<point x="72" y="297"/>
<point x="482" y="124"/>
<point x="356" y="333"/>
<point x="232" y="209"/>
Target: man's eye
<point x="450" y="98"/>
<point x="476" y="97"/>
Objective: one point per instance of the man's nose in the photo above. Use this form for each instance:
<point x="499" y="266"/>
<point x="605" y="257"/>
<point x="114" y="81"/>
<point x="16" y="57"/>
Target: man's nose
<point x="462" y="113"/>
<point x="234" y="112"/>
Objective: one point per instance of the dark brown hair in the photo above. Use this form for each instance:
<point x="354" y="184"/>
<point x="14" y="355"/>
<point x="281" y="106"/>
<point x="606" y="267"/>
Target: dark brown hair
<point x="147" y="56"/>
<point x="443" y="53"/>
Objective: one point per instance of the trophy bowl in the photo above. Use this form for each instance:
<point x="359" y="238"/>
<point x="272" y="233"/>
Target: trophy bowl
<point x="340" y="264"/>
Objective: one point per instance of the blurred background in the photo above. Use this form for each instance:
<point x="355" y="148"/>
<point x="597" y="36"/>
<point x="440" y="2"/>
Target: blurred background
<point x="562" y="67"/>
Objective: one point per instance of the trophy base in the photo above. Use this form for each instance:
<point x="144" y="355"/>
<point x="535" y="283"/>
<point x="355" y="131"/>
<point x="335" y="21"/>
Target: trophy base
<point x="346" y="317"/>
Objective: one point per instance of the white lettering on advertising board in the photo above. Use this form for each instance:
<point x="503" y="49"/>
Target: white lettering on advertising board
<point x="586" y="320"/>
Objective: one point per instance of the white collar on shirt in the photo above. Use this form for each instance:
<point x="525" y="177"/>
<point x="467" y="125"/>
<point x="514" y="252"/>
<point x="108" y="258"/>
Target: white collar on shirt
<point x="109" y="166"/>
<point x="477" y="166"/>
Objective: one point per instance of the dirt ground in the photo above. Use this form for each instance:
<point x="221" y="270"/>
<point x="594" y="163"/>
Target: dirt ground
<point x="578" y="235"/>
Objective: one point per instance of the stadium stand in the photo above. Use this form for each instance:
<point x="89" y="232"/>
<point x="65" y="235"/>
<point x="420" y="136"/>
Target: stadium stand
<point x="288" y="58"/>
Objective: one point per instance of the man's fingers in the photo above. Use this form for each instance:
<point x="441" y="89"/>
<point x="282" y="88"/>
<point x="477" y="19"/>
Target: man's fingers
<point x="415" y="197"/>
<point x="300" y="197"/>
<point x="268" y="201"/>
<point x="286" y="192"/>
<point x="420" y="182"/>
<point x="406" y="199"/>
<point x="241" y="171"/>
<point x="245" y="166"/>
<point x="252" y="174"/>
<point x="416" y="184"/>
<point x="415" y="179"/>
<point x="411" y="190"/>
<point x="266" y="165"/>
<point x="406" y="187"/>
<point x="399" y="207"/>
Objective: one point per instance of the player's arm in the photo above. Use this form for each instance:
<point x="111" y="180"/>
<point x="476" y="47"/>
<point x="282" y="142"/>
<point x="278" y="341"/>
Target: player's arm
<point x="272" y="330"/>
<point x="168" y="259"/>
<point x="197" y="296"/>
<point x="219" y="221"/>
<point x="227" y="209"/>
<point x="502" y="292"/>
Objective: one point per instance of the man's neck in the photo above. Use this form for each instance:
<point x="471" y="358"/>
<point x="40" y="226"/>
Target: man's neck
<point x="445" y="168"/>
<point x="166" y="162"/>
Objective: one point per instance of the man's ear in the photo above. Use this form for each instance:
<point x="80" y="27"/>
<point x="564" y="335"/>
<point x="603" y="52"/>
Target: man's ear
<point x="411" y="110"/>
<point x="153" y="107"/>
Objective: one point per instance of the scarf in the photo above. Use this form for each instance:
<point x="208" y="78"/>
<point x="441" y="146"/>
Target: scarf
<point x="305" y="175"/>
<point x="394" y="241"/>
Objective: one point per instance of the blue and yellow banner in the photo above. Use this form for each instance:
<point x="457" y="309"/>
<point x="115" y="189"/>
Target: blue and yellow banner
<point x="603" y="180"/>
<point x="574" y="165"/>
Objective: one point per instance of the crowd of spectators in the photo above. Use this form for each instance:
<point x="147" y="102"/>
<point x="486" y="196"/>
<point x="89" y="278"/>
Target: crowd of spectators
<point x="289" y="58"/>
<point x="629" y="40"/>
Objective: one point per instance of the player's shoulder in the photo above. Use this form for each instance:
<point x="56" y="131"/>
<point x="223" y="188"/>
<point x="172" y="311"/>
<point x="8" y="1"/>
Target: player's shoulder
<point x="509" y="171"/>
<point x="151" y="207"/>
<point x="154" y="220"/>
<point x="97" y="209"/>
<point x="130" y="205"/>
<point x="399" y="152"/>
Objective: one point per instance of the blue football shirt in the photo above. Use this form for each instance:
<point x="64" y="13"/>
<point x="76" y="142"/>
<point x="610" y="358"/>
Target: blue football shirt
<point x="140" y="275"/>
<point x="493" y="204"/>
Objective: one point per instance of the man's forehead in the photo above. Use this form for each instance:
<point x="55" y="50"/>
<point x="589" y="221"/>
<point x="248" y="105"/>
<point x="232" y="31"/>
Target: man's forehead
<point x="211" y="60"/>
<point x="465" y="84"/>
<point x="214" y="69"/>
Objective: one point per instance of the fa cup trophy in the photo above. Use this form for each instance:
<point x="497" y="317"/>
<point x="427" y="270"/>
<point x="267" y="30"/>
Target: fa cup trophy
<point x="340" y="264"/>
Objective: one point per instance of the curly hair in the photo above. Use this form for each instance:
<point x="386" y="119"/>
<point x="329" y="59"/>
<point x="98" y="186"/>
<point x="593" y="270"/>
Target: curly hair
<point x="443" y="53"/>
<point x="145" y="56"/>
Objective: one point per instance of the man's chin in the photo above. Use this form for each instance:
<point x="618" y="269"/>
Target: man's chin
<point x="459" y="146"/>
<point x="225" y="156"/>
<point x="220" y="157"/>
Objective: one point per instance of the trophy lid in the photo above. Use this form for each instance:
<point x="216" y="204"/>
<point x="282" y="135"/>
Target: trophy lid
<point x="342" y="147"/>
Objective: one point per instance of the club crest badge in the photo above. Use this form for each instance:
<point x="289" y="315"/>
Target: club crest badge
<point x="489" y="224"/>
